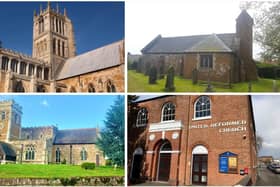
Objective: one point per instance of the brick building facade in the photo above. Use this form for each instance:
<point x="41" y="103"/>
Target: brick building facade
<point x="45" y="144"/>
<point x="54" y="65"/>
<point x="189" y="140"/>
<point x="218" y="57"/>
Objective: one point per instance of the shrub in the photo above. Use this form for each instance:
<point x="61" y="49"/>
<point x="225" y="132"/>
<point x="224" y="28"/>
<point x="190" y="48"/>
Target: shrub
<point x="88" y="165"/>
<point x="108" y="162"/>
<point x="169" y="85"/>
<point x="63" y="161"/>
<point x="68" y="181"/>
<point x="153" y="75"/>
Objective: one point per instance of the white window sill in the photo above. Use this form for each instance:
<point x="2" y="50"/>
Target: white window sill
<point x="202" y="118"/>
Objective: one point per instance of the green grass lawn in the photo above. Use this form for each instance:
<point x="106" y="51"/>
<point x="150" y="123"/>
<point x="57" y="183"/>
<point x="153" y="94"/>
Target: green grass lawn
<point x="138" y="82"/>
<point x="54" y="171"/>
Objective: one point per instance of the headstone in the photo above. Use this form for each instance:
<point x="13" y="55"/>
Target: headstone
<point x="153" y="75"/>
<point x="169" y="84"/>
<point x="194" y="76"/>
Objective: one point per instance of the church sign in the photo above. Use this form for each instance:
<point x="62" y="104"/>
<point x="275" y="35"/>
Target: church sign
<point x="227" y="162"/>
<point x="224" y="126"/>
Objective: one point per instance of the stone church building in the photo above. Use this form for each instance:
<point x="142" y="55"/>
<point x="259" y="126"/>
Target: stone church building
<point x="192" y="140"/>
<point x="216" y="57"/>
<point x="54" y="65"/>
<point x="46" y="144"/>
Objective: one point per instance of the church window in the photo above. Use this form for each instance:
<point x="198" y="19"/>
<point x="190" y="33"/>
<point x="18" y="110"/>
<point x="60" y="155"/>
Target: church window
<point x="142" y="118"/>
<point x="46" y="74"/>
<point x="3" y="115"/>
<point x="206" y="61"/>
<point x="83" y="154"/>
<point x="41" y="88"/>
<point x="57" y="155"/>
<point x="58" y="47"/>
<point x="5" y="63"/>
<point x="110" y="87"/>
<point x="91" y="88"/>
<point x="56" y="24"/>
<point x="18" y="87"/>
<point x="54" y="46"/>
<point x="39" y="72"/>
<point x="14" y="65"/>
<point x="22" y="68"/>
<point x="202" y="107"/>
<point x="30" y="152"/>
<point x="63" y="54"/>
<point x="31" y="70"/>
<point x="168" y="112"/>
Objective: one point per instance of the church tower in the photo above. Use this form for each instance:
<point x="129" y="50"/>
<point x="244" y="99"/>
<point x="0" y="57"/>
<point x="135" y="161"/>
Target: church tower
<point x="53" y="37"/>
<point x="10" y="121"/>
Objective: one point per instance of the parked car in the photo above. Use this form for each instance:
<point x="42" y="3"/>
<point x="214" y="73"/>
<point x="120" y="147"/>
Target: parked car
<point x="274" y="168"/>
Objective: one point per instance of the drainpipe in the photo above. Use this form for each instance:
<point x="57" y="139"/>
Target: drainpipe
<point x="187" y="128"/>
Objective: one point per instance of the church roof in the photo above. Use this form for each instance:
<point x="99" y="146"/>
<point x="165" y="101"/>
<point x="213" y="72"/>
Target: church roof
<point x="196" y="43"/>
<point x="76" y="136"/>
<point x="95" y="60"/>
<point x="7" y="149"/>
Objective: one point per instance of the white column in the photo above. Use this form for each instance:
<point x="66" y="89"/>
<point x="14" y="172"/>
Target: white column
<point x="27" y="69"/>
<point x="9" y="64"/>
<point x="18" y="67"/>
<point x="43" y="71"/>
<point x="35" y="71"/>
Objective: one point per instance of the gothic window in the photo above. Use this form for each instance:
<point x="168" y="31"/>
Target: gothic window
<point x="57" y="155"/>
<point x="168" y="112"/>
<point x="100" y="85"/>
<point x="206" y="61"/>
<point x="3" y="115"/>
<point x="46" y="74"/>
<point x="5" y="63"/>
<point x="110" y="87"/>
<point x="63" y="28"/>
<point x="83" y="154"/>
<point x="56" y="24"/>
<point x="22" y="68"/>
<point x="31" y="70"/>
<point x="39" y="72"/>
<point x="54" y="46"/>
<point x="30" y="152"/>
<point x="58" y="47"/>
<point x="41" y="25"/>
<point x="41" y="88"/>
<point x="63" y="49"/>
<point x="18" y="87"/>
<point x="91" y="88"/>
<point x="202" y="107"/>
<point x="142" y="118"/>
<point x="14" y="65"/>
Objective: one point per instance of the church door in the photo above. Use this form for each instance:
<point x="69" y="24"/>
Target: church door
<point x="164" y="162"/>
<point x="199" y="171"/>
<point x="97" y="162"/>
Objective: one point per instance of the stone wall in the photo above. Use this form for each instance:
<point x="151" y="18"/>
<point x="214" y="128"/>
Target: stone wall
<point x="91" y="150"/>
<point x="226" y="67"/>
<point x="98" y="80"/>
<point x="77" y="181"/>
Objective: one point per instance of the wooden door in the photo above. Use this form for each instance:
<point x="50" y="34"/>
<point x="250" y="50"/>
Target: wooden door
<point x="199" y="169"/>
<point x="164" y="166"/>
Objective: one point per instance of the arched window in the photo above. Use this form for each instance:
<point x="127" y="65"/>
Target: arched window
<point x="83" y="154"/>
<point x="54" y="46"/>
<point x="91" y="88"/>
<point x="110" y="87"/>
<point x="14" y="65"/>
<point x="142" y="118"/>
<point x="30" y="152"/>
<point x="168" y="112"/>
<point x="22" y="68"/>
<point x="19" y="87"/>
<point x="57" y="155"/>
<point x="5" y="63"/>
<point x="202" y="107"/>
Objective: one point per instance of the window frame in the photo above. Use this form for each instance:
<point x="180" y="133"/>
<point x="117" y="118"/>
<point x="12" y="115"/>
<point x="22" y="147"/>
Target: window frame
<point x="201" y="62"/>
<point x="141" y="119"/>
<point x="83" y="154"/>
<point x="194" y="109"/>
<point x="162" y="112"/>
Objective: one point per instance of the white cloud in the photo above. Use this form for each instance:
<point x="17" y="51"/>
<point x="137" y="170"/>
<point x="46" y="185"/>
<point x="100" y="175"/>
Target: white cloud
<point x="45" y="103"/>
<point x="266" y="113"/>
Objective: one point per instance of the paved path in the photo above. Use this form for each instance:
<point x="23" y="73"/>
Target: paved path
<point x="267" y="178"/>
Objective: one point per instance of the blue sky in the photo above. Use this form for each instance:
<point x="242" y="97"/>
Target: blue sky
<point x="65" y="111"/>
<point x="95" y="23"/>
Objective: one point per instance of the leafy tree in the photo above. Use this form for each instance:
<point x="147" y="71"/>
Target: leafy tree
<point x="111" y="140"/>
<point x="267" y="27"/>
<point x="259" y="142"/>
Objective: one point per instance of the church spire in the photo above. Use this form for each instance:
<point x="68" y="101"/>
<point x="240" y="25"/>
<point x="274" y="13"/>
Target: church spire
<point x="40" y="8"/>
<point x="65" y="13"/>
<point x="49" y="5"/>
<point x="57" y="8"/>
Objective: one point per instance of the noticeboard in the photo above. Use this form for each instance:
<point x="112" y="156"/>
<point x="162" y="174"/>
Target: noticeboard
<point x="227" y="162"/>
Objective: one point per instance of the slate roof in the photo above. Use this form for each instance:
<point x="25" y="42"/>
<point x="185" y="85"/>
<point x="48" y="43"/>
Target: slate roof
<point x="196" y="43"/>
<point x="98" y="59"/>
<point x="7" y="149"/>
<point x="76" y="136"/>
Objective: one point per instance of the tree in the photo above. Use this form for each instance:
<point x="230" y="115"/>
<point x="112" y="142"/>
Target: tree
<point x="267" y="27"/>
<point x="111" y="140"/>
